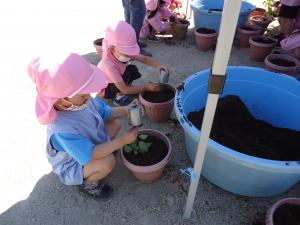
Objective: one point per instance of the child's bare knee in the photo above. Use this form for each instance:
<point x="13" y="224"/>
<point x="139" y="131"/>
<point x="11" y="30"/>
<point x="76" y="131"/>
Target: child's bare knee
<point x="111" y="163"/>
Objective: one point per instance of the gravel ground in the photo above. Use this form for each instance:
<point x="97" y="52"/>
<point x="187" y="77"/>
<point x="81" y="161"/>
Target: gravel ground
<point x="162" y="202"/>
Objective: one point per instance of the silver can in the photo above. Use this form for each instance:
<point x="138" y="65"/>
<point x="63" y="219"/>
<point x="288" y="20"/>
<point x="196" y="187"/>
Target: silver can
<point x="135" y="115"/>
<point x="164" y="77"/>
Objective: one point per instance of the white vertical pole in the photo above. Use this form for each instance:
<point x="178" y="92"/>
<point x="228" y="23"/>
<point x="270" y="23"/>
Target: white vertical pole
<point x="229" y="20"/>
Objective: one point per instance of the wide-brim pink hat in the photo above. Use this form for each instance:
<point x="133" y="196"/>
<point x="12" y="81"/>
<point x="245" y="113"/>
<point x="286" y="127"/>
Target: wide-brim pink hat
<point x="151" y="4"/>
<point x="62" y="76"/>
<point x="292" y="42"/>
<point x="122" y="36"/>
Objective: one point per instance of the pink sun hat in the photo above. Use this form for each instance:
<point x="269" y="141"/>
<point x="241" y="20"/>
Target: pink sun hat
<point x="151" y="4"/>
<point x="59" y="77"/>
<point x="123" y="37"/>
<point x="292" y="42"/>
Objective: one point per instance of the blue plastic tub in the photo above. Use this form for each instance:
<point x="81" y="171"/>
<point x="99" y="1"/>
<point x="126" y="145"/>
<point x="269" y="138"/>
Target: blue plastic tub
<point x="272" y="97"/>
<point x="205" y="17"/>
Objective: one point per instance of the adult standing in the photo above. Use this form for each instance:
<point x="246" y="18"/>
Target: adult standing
<point x="135" y="12"/>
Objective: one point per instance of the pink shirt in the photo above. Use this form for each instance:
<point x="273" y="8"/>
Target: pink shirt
<point x="290" y="2"/>
<point x="156" y="22"/>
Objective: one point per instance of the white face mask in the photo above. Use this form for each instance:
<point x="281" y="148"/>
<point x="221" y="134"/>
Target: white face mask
<point x="75" y="107"/>
<point x="122" y="58"/>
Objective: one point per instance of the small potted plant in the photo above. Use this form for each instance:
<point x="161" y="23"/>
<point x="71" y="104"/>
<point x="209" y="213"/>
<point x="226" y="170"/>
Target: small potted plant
<point x="159" y="105"/>
<point x="282" y="63"/>
<point x="261" y="46"/>
<point x="98" y="46"/>
<point x="147" y="157"/>
<point x="180" y="28"/>
<point x="205" y="38"/>
<point x="284" y="212"/>
<point x="245" y="32"/>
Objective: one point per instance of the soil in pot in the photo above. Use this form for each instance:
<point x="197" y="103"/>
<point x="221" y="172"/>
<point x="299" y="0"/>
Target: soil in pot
<point x="236" y="128"/>
<point x="204" y="30"/>
<point x="156" y="153"/>
<point x="161" y="96"/>
<point x="287" y="214"/>
<point x="263" y="40"/>
<point x="282" y="62"/>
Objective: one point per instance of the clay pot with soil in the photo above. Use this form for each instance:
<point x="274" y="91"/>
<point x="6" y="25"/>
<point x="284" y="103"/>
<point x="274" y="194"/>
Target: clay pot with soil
<point x="284" y="212"/>
<point x="245" y="32"/>
<point x="147" y="157"/>
<point x="258" y="12"/>
<point x="282" y="63"/>
<point x="260" y="21"/>
<point x="261" y="46"/>
<point x="205" y="38"/>
<point x="98" y="46"/>
<point x="159" y="105"/>
<point x="180" y="28"/>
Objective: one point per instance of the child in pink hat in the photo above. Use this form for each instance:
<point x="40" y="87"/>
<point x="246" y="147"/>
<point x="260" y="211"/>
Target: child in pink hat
<point x="292" y="43"/>
<point x="120" y="47"/>
<point x="81" y="130"/>
<point x="156" y="20"/>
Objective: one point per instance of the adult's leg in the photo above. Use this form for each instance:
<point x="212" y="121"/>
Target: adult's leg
<point x="137" y="15"/>
<point x="127" y="9"/>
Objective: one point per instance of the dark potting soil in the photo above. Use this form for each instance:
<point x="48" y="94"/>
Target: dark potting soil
<point x="263" y="40"/>
<point x="282" y="62"/>
<point x="287" y="214"/>
<point x="248" y="28"/>
<point x="159" y="97"/>
<point x="236" y="128"/>
<point x="157" y="152"/>
<point x="204" y="30"/>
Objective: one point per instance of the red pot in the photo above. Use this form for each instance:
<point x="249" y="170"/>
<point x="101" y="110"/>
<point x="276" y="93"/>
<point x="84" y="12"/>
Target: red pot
<point x="205" y="41"/>
<point x="259" y="51"/>
<point x="149" y="174"/>
<point x="290" y="70"/>
<point x="158" y="112"/>
<point x="98" y="46"/>
<point x="270" y="213"/>
<point x="245" y="32"/>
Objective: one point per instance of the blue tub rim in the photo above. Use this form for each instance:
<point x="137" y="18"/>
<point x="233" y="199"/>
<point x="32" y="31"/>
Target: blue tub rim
<point x="229" y="153"/>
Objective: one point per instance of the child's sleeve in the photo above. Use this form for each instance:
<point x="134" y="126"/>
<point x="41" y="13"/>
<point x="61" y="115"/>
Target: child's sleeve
<point x="157" y="24"/>
<point x="103" y="109"/>
<point x="77" y="146"/>
<point x="167" y="13"/>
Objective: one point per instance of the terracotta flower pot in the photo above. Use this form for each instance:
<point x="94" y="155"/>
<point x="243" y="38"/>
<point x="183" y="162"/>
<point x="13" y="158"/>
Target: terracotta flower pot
<point x="205" y="38"/>
<point x="98" y="46"/>
<point x="258" y="12"/>
<point x="261" y="46"/>
<point x="260" y="21"/>
<point x="158" y="112"/>
<point x="149" y="174"/>
<point x="282" y="63"/>
<point x="180" y="29"/>
<point x="285" y="201"/>
<point x="245" y="32"/>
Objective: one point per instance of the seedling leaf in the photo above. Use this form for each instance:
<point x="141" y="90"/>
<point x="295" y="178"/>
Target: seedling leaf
<point x="143" y="136"/>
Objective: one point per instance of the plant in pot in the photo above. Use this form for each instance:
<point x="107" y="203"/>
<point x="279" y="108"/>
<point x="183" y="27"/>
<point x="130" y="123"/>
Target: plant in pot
<point x="261" y="46"/>
<point x="159" y="105"/>
<point x="245" y="32"/>
<point x="147" y="157"/>
<point x="98" y="46"/>
<point x="205" y="38"/>
<point x="284" y="212"/>
<point x="282" y="63"/>
<point x="179" y="28"/>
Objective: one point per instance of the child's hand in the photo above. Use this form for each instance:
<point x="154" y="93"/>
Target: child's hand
<point x="153" y="87"/>
<point x="130" y="136"/>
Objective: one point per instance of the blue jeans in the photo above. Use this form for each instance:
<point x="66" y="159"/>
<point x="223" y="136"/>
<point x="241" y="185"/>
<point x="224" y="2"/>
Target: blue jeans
<point x="135" y="12"/>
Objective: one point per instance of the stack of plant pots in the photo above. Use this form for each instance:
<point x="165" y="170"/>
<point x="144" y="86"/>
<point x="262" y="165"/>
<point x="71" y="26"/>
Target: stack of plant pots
<point x="245" y="32"/>
<point x="282" y="63"/>
<point x="98" y="46"/>
<point x="205" y="38"/>
<point x="261" y="46"/>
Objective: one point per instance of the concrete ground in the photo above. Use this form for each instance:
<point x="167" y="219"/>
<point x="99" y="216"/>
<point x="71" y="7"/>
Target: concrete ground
<point x="31" y="194"/>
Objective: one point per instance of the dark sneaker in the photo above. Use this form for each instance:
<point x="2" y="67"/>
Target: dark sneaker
<point x="142" y="44"/>
<point x="153" y="39"/>
<point x="96" y="190"/>
<point x="123" y="100"/>
<point x="144" y="52"/>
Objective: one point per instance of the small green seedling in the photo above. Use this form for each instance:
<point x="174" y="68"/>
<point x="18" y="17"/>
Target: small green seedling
<point x="139" y="146"/>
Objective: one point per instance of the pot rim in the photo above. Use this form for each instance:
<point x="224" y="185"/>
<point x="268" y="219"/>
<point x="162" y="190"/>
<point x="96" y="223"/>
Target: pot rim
<point x="252" y="42"/>
<point x="198" y="34"/>
<point x="281" y="56"/>
<point x="257" y="30"/>
<point x="147" y="169"/>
